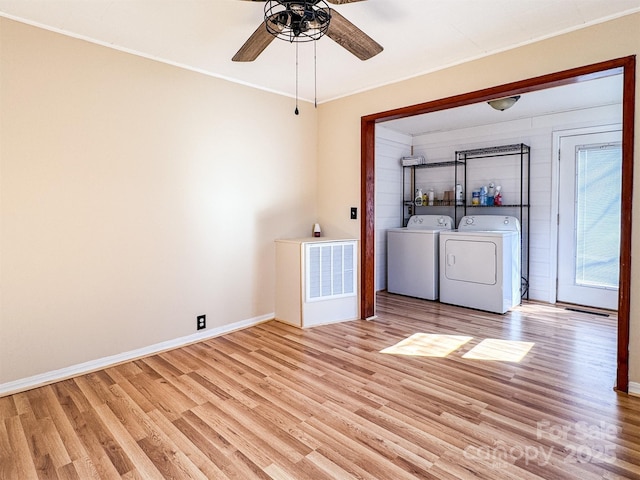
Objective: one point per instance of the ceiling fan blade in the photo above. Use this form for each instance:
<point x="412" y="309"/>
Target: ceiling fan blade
<point x="347" y="35"/>
<point x="256" y="43"/>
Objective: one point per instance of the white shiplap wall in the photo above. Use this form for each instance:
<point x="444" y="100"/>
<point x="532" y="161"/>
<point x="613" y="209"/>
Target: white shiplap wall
<point x="390" y="147"/>
<point x="537" y="132"/>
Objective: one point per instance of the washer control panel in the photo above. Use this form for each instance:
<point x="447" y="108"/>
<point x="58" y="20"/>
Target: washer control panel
<point x="430" y="222"/>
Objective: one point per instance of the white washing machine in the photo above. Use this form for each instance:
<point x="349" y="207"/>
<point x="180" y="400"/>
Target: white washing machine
<point x="412" y="256"/>
<point x="480" y="263"/>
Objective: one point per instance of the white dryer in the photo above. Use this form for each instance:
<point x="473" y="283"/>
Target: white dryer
<point x="480" y="263"/>
<point x="412" y="256"/>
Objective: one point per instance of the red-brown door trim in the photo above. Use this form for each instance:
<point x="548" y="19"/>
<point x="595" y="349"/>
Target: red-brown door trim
<point x="627" y="65"/>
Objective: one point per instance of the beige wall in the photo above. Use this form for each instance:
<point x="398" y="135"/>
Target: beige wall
<point x="339" y="121"/>
<point x="135" y="196"/>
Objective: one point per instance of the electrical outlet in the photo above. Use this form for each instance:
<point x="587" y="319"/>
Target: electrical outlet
<point x="201" y="322"/>
<point x="354" y="213"/>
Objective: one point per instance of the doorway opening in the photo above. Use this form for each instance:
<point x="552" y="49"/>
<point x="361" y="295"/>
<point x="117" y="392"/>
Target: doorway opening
<point x="626" y="66"/>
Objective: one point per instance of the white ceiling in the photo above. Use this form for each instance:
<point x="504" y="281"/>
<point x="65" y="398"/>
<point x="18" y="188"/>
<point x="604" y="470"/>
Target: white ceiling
<point x="418" y="36"/>
<point x="576" y="96"/>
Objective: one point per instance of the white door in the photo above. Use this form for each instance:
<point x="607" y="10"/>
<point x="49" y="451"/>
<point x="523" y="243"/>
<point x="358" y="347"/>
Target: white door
<point x="589" y="219"/>
<point x="471" y="261"/>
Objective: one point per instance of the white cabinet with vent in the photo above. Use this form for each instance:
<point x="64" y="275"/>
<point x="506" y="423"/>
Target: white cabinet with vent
<point x="316" y="281"/>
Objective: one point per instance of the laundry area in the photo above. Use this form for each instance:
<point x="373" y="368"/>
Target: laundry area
<point x="475" y="257"/>
<point x="481" y="160"/>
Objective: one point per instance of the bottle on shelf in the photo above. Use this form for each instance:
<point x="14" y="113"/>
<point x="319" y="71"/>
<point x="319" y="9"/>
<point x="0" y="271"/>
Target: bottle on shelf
<point x="497" y="198"/>
<point x="483" y="195"/>
<point x="431" y="196"/>
<point x="458" y="194"/>
<point x="418" y="197"/>
<point x="491" y="192"/>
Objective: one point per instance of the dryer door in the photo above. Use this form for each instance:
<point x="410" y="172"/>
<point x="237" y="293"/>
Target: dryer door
<point x="471" y="261"/>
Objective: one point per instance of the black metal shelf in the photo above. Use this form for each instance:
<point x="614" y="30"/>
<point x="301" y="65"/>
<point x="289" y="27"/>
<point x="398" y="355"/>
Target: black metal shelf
<point x="449" y="163"/>
<point x="436" y="203"/>
<point x="409" y="207"/>
<point x="522" y="153"/>
<point x="515" y="205"/>
<point x="501" y="150"/>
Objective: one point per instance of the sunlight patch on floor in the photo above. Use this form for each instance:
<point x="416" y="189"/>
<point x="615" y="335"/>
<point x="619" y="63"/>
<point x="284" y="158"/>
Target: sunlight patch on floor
<point x="502" y="350"/>
<point x="427" y="345"/>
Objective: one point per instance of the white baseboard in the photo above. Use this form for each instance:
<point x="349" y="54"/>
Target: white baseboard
<point x="634" y="389"/>
<point x="46" y="378"/>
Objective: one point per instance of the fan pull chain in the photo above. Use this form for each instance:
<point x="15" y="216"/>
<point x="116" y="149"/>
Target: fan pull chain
<point x="315" y="74"/>
<point x="297" y="112"/>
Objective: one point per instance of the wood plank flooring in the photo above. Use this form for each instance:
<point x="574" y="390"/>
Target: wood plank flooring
<point x="276" y="402"/>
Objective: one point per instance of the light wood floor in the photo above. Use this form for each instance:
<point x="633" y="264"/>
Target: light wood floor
<point x="276" y="402"/>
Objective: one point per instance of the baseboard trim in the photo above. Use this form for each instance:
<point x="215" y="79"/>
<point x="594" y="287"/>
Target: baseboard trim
<point x="53" y="376"/>
<point x="634" y="389"/>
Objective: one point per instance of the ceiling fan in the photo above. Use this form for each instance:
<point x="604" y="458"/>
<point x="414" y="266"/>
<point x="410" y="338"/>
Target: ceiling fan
<point x="306" y="20"/>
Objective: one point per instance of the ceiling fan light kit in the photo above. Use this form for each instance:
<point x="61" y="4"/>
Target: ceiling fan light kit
<point x="302" y="21"/>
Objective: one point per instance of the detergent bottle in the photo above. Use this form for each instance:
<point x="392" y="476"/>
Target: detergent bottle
<point x="497" y="198"/>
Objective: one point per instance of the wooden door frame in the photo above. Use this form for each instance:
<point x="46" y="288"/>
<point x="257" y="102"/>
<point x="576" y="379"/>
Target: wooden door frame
<point x="624" y="65"/>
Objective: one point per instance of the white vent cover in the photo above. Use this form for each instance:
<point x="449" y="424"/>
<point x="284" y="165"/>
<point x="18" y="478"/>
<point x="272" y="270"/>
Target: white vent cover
<point x="330" y="270"/>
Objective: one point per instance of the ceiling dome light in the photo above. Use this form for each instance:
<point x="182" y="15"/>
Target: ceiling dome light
<point x="503" y="103"/>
